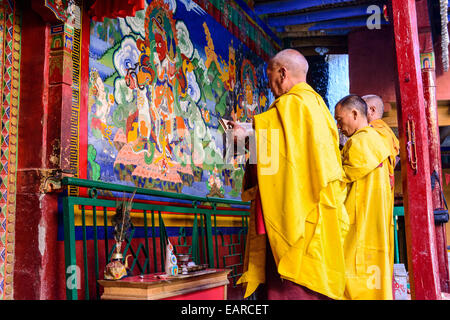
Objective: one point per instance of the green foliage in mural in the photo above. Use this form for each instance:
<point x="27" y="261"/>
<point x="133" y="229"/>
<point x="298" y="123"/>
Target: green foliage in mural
<point x="95" y="167"/>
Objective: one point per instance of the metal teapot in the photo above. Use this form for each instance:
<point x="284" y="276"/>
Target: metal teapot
<point x="115" y="270"/>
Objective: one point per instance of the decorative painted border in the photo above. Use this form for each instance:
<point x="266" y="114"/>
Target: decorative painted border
<point x="10" y="113"/>
<point x="75" y="115"/>
<point x="233" y="16"/>
<point x="66" y="46"/>
<point x="427" y="60"/>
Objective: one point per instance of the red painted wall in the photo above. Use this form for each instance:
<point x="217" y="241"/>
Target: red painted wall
<point x="371" y="65"/>
<point x="371" y="60"/>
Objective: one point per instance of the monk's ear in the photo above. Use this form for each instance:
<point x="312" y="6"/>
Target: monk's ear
<point x="283" y="73"/>
<point x="372" y="110"/>
<point x="354" y="114"/>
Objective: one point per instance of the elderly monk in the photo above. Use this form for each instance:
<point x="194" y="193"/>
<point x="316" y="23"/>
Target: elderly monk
<point x="301" y="222"/>
<point x="369" y="243"/>
<point x="375" y="110"/>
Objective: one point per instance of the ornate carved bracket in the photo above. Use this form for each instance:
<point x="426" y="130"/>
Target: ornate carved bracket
<point x="51" y="180"/>
<point x="67" y="11"/>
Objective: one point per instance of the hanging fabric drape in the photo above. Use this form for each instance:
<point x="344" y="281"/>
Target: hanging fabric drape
<point x="101" y="9"/>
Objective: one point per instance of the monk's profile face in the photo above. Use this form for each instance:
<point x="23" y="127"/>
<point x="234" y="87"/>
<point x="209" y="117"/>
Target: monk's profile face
<point x="276" y="75"/>
<point x="346" y="120"/>
<point x="371" y="113"/>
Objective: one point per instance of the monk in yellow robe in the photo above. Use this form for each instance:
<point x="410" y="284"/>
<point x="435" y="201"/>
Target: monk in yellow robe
<point x="369" y="243"/>
<point x="302" y="192"/>
<point x="375" y="110"/>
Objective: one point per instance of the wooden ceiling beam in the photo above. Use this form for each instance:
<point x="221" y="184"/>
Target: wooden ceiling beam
<point x="319" y="42"/>
<point x="291" y="5"/>
<point x="317" y="33"/>
<point x="330" y="25"/>
<point x="322" y="15"/>
<point x="300" y="34"/>
<point x="311" y="51"/>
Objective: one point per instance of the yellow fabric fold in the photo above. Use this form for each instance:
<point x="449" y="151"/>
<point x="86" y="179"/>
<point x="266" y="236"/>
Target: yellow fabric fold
<point x="390" y="140"/>
<point x="369" y="243"/>
<point x="255" y="249"/>
<point x="300" y="180"/>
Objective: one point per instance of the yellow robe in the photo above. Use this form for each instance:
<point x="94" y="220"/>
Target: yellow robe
<point x="255" y="248"/>
<point x="393" y="145"/>
<point x="390" y="139"/>
<point x="302" y="194"/>
<point x="369" y="243"/>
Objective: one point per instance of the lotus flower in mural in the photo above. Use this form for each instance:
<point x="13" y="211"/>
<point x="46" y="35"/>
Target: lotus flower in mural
<point x="215" y="186"/>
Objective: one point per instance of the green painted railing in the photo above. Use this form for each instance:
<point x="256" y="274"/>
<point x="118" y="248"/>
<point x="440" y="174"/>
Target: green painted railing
<point x="208" y="244"/>
<point x="398" y="212"/>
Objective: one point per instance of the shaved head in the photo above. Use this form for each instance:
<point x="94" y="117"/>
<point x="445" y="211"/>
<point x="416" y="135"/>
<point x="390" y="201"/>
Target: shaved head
<point x="294" y="62"/>
<point x="353" y="101"/>
<point x="287" y="68"/>
<point x="375" y="107"/>
<point x="351" y="114"/>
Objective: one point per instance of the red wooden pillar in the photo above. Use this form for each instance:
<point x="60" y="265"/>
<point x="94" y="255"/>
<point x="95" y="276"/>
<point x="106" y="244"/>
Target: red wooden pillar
<point x="415" y="163"/>
<point x="46" y="101"/>
<point x="36" y="214"/>
<point x="429" y="86"/>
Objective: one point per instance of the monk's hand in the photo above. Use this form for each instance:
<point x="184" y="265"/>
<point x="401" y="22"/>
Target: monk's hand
<point x="238" y="131"/>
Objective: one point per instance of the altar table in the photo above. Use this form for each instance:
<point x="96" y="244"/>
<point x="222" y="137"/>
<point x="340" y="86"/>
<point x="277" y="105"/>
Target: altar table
<point x="209" y="284"/>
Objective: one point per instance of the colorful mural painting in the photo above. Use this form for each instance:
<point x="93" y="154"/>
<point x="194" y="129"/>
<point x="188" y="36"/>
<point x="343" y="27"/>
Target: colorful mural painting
<point x="159" y="82"/>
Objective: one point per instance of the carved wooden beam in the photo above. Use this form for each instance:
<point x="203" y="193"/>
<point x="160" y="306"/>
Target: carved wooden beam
<point x="313" y="51"/>
<point x="319" y="41"/>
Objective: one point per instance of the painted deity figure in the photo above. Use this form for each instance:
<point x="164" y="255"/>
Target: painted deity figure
<point x="103" y="103"/>
<point x="160" y="80"/>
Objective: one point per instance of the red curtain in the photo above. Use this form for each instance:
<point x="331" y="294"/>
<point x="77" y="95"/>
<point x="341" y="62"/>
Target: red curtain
<point x="101" y="9"/>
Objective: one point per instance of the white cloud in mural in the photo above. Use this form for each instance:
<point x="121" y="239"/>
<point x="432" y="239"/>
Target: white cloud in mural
<point x="200" y="133"/>
<point x="126" y="30"/>
<point x="122" y="93"/>
<point x="126" y="56"/>
<point x="194" y="118"/>
<point x="192" y="6"/>
<point x="184" y="105"/>
<point x="137" y="23"/>
<point x="172" y="5"/>
<point x="198" y="154"/>
<point x="193" y="87"/>
<point x="184" y="42"/>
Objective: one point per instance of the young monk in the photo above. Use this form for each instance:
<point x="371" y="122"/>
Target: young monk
<point x="369" y="244"/>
